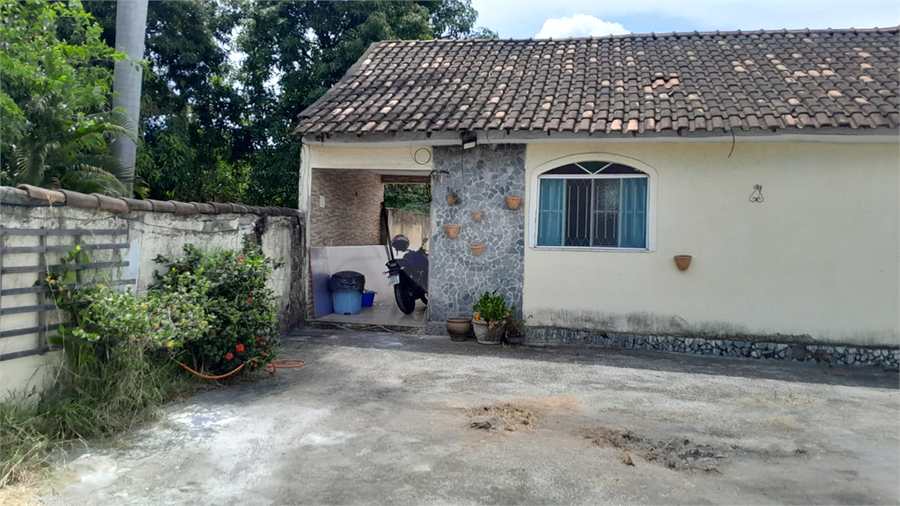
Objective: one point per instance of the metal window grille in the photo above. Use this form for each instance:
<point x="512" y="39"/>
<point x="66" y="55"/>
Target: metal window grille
<point x="582" y="206"/>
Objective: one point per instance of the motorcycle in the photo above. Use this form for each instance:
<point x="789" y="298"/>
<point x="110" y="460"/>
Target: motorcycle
<point x="408" y="273"/>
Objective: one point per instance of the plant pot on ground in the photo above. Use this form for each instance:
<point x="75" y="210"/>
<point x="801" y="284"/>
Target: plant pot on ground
<point x="490" y="314"/>
<point x="515" y="330"/>
<point x="488" y="332"/>
<point x="459" y="327"/>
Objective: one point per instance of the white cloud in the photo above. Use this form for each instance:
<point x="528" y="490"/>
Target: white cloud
<point x="579" y="25"/>
<point x="522" y="18"/>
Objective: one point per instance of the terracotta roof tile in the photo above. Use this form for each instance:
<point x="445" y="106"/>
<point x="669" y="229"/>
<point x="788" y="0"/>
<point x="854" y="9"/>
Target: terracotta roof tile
<point x="773" y="80"/>
<point x="124" y="205"/>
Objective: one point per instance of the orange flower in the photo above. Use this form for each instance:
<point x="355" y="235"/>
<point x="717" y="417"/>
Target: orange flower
<point x="239" y="348"/>
<point x="229" y="356"/>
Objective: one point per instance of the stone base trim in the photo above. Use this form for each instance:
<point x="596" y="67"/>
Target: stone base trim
<point x="886" y="357"/>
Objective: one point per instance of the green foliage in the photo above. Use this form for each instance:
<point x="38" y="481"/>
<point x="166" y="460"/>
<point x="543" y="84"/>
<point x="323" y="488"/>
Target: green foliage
<point x="211" y="310"/>
<point x="241" y="308"/>
<point x="192" y="110"/>
<point x="412" y="197"/>
<point x="54" y="99"/>
<point x="492" y="308"/>
<point x="117" y="369"/>
<point x="213" y="130"/>
<point x="297" y="50"/>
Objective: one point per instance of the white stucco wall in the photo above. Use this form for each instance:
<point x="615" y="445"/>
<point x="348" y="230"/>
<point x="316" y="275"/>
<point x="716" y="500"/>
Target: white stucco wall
<point x="820" y="257"/>
<point x="149" y="234"/>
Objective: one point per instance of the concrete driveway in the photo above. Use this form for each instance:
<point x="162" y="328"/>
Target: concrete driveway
<point x="379" y="418"/>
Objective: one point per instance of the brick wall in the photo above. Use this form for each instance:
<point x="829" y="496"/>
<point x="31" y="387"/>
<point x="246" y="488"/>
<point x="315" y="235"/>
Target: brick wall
<point x="351" y="215"/>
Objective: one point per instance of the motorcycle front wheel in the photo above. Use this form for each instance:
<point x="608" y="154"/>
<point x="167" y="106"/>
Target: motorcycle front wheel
<point x="406" y="300"/>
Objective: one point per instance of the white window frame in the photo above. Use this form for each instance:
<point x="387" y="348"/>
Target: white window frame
<point x="534" y="198"/>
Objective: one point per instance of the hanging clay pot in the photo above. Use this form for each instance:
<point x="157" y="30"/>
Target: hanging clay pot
<point x="452" y="199"/>
<point x="452" y="230"/>
<point x="478" y="214"/>
<point x="513" y="201"/>
<point x="682" y="262"/>
<point x="477" y="248"/>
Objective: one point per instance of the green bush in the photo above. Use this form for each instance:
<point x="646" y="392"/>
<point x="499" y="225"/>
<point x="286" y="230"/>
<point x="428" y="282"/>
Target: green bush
<point x="240" y="308"/>
<point x="209" y="310"/>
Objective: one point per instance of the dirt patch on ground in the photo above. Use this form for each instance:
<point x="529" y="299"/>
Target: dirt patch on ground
<point x="677" y="453"/>
<point x="503" y="416"/>
<point x="519" y="415"/>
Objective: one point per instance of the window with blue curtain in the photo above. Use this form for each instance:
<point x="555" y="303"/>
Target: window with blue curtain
<point x="593" y="204"/>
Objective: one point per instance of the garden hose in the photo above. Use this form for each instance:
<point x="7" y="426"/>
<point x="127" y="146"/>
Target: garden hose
<point x="271" y="367"/>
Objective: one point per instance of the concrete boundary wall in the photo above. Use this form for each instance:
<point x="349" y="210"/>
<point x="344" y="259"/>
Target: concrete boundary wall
<point x="153" y="228"/>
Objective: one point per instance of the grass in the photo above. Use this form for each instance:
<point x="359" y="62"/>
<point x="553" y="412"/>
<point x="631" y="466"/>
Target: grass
<point x="91" y="399"/>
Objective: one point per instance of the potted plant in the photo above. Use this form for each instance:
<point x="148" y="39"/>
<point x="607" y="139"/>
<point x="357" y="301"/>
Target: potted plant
<point x="459" y="327"/>
<point x="513" y="201"/>
<point x="452" y="196"/>
<point x="489" y="318"/>
<point x="515" y="330"/>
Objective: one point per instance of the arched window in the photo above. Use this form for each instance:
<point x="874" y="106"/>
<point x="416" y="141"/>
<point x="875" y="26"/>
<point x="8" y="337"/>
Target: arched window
<point x="593" y="205"/>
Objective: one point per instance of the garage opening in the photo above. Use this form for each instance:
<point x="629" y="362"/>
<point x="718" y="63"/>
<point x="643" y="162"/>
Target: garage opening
<point x="352" y="213"/>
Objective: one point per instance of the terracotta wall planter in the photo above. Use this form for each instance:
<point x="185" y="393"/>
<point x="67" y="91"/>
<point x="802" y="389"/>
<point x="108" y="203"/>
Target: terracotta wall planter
<point x="682" y="262"/>
<point x="452" y="230"/>
<point x="478" y="214"/>
<point x="477" y="248"/>
<point x="513" y="201"/>
<point x="452" y="200"/>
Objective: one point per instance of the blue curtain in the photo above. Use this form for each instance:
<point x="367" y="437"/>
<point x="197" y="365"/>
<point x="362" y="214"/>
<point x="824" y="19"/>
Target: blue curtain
<point x="633" y="213"/>
<point x="550" y="215"/>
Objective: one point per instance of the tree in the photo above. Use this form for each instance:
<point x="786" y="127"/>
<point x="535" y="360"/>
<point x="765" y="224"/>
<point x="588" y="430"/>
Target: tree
<point x="192" y="136"/>
<point x="56" y="120"/>
<point x="297" y="50"/>
<point x="131" y="23"/>
<point x="411" y="197"/>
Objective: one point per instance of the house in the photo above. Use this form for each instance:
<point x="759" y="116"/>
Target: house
<point x="770" y="157"/>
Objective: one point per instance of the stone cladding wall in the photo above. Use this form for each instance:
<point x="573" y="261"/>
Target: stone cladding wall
<point x="352" y="212"/>
<point x="888" y="358"/>
<point x="482" y="177"/>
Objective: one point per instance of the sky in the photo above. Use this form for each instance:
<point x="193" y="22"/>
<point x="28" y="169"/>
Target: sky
<point x="522" y="19"/>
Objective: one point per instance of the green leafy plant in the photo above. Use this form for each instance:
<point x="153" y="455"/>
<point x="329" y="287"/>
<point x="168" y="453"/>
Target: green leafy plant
<point x="54" y="97"/>
<point x="492" y="308"/>
<point x="241" y="308"/>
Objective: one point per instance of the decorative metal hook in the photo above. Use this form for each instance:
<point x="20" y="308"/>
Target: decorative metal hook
<point x="757" y="195"/>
